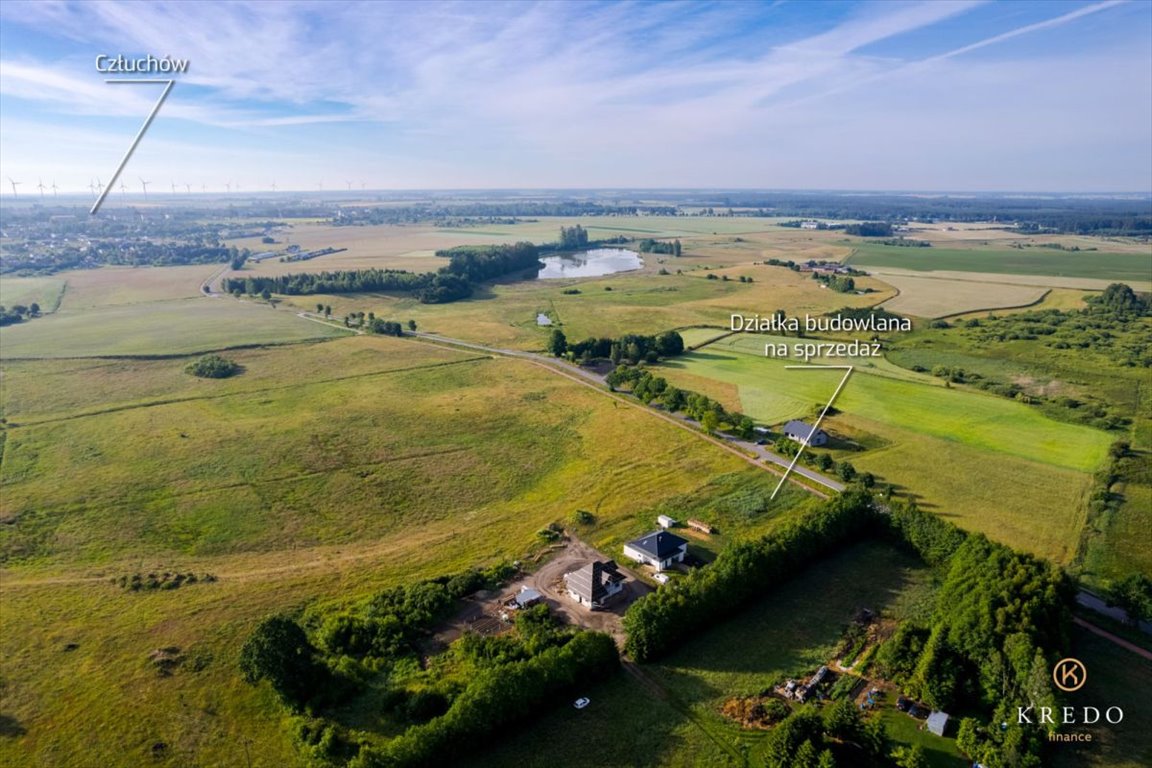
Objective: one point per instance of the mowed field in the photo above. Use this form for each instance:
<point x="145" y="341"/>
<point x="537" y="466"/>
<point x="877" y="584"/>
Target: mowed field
<point x="675" y="720"/>
<point x="323" y="472"/>
<point x="179" y="326"/>
<point x="147" y="311"/>
<point x="928" y="297"/>
<point x="1098" y="265"/>
<point x="992" y="465"/>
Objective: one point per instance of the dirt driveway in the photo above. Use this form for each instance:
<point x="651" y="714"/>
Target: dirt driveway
<point x="549" y="581"/>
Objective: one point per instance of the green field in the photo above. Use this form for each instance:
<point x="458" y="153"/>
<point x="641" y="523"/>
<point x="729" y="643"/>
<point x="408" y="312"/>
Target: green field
<point x="323" y="471"/>
<point x="991" y="463"/>
<point x="678" y="722"/>
<point x="1115" y="544"/>
<point x="44" y="291"/>
<point x="157" y="328"/>
<point x="1012" y="261"/>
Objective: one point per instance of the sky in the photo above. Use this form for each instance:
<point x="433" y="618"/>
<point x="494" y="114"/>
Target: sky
<point x="943" y="95"/>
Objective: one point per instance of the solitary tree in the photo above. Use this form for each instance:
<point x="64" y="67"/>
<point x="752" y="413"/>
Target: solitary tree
<point x="279" y="652"/>
<point x="412" y="326"/>
<point x="557" y="342"/>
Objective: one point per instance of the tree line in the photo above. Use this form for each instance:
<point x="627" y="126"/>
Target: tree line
<point x="467" y="265"/>
<point x="709" y="413"/>
<point x="631" y="348"/>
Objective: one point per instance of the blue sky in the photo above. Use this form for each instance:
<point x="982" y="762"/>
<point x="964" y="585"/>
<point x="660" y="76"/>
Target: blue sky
<point x="939" y="95"/>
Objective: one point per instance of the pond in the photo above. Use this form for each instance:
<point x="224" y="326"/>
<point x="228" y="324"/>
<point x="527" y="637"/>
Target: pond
<point x="593" y="263"/>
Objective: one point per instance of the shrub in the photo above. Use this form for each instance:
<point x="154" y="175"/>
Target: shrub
<point x="213" y="367"/>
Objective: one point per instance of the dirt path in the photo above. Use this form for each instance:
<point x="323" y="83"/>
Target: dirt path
<point x="1113" y="638"/>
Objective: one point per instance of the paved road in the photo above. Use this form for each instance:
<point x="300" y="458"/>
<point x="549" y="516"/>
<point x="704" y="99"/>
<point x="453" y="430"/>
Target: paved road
<point x="1097" y="605"/>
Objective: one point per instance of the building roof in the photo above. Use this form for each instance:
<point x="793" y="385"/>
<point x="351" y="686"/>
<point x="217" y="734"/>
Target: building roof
<point x="937" y="722"/>
<point x="527" y="595"/>
<point x="800" y="429"/>
<point x="659" y="544"/>
<point x="591" y="581"/>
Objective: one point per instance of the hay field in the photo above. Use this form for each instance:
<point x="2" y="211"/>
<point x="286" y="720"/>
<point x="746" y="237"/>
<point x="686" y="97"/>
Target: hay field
<point x="931" y="297"/>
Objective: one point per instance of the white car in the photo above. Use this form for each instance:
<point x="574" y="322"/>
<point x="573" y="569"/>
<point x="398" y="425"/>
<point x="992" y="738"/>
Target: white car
<point x="582" y="702"/>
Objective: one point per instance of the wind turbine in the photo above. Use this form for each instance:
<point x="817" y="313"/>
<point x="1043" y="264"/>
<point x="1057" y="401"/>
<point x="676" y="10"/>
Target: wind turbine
<point x="13" y="182"/>
<point x="173" y="187"/>
<point x="187" y="189"/>
<point x="123" y="189"/>
<point x="92" y="187"/>
<point x="99" y="185"/>
<point x="40" y="186"/>
<point x="273" y="186"/>
<point x="54" y="188"/>
<point x="228" y="186"/>
<point x="145" y="185"/>
<point x="349" y="185"/>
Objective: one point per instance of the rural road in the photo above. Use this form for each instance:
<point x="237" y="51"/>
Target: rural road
<point x="1113" y="638"/>
<point x="1098" y="605"/>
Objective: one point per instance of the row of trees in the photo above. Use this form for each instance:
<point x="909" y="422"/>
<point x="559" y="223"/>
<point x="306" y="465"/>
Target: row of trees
<point x="742" y="573"/>
<point x="631" y="348"/>
<point x="838" y="283"/>
<point x="467" y="265"/>
<point x="655" y="390"/>
<point x="18" y="313"/>
<point x="649" y="245"/>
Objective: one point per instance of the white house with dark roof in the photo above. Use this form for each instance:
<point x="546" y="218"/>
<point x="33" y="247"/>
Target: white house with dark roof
<point x="804" y="434"/>
<point x="594" y="584"/>
<point x="660" y="549"/>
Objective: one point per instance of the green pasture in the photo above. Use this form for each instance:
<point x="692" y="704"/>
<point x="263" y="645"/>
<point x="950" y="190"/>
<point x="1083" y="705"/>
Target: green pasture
<point x="995" y="465"/>
<point x="1012" y="261"/>
<point x="772" y="393"/>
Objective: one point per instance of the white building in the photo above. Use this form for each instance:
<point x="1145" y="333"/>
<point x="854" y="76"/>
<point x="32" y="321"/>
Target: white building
<point x="658" y="549"/>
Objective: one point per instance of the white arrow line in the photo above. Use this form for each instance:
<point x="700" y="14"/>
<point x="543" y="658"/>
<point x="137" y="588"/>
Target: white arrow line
<point x="139" y="135"/>
<point x="847" y="372"/>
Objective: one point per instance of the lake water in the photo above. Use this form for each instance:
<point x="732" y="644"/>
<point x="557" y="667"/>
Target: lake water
<point x="593" y="263"/>
<point x="543" y="319"/>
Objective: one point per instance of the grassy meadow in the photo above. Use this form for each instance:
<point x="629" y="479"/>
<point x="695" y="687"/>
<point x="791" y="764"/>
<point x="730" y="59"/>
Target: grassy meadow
<point x="322" y="472"/>
<point x="992" y="464"/>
